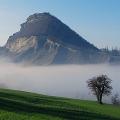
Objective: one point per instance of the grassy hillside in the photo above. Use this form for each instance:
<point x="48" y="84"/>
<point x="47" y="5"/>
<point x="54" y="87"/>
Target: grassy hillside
<point x="19" y="105"/>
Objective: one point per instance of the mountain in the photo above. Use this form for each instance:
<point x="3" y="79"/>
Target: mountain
<point x="43" y="40"/>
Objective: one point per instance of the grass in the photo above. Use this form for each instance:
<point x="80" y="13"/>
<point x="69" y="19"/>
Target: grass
<point x="20" y="105"/>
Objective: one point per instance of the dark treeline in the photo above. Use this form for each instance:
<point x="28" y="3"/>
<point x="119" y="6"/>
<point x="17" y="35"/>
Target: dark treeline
<point x="113" y="51"/>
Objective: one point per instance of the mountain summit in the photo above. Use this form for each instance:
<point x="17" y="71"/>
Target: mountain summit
<point x="43" y="39"/>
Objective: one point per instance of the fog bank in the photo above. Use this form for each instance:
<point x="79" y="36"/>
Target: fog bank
<point x="66" y="80"/>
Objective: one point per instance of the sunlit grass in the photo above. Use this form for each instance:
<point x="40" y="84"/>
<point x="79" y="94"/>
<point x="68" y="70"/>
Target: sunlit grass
<point x="18" y="105"/>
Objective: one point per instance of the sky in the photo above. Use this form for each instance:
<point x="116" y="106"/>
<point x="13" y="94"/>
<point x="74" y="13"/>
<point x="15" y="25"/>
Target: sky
<point x="98" y="21"/>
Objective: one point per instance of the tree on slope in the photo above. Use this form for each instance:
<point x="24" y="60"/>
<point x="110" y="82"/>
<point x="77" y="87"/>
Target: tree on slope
<point x="100" y="86"/>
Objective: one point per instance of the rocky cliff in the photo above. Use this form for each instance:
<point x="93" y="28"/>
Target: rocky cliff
<point x="43" y="39"/>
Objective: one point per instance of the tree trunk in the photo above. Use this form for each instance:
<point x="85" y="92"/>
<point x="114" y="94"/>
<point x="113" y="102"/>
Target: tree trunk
<point x="97" y="97"/>
<point x="100" y="99"/>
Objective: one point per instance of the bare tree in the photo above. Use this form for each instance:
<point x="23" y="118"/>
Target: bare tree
<point x="100" y="86"/>
<point x="115" y="99"/>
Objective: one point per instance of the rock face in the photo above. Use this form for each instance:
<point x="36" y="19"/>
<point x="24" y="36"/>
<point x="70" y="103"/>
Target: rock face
<point x="43" y="39"/>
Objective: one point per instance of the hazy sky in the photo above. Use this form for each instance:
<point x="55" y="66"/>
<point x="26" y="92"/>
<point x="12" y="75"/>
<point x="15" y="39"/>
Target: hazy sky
<point x="98" y="21"/>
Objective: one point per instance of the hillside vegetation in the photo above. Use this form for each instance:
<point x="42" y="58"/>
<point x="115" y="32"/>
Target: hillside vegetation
<point x="20" y="105"/>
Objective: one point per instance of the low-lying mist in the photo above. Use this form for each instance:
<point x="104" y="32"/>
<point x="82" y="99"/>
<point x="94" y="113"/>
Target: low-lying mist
<point x="65" y="80"/>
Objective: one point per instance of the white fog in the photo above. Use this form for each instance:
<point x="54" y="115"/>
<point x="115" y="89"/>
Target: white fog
<point x="66" y="80"/>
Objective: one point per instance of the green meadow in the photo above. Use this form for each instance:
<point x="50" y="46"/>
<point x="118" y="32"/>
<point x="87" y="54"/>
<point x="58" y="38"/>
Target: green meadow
<point x="20" y="105"/>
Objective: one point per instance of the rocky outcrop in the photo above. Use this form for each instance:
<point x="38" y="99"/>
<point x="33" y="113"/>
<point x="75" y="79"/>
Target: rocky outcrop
<point x="43" y="39"/>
